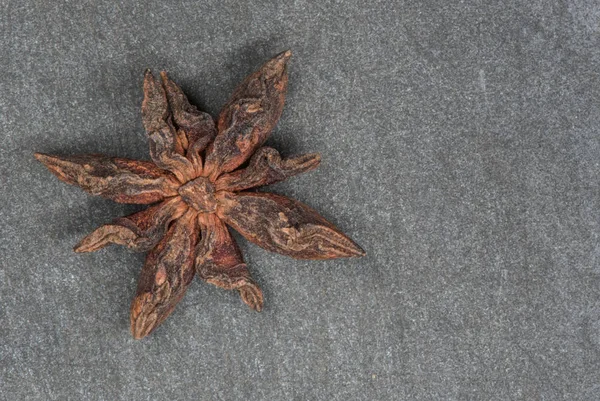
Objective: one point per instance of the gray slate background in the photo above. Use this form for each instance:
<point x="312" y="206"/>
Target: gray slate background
<point x="461" y="149"/>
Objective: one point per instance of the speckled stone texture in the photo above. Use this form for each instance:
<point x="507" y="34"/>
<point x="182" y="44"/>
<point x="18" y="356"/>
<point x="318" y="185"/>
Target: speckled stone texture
<point x="461" y="149"/>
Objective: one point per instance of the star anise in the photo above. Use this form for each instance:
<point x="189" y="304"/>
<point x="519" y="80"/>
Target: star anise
<point x="197" y="190"/>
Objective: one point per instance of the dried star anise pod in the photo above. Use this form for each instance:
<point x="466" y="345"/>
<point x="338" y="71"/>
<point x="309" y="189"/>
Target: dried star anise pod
<point x="196" y="190"/>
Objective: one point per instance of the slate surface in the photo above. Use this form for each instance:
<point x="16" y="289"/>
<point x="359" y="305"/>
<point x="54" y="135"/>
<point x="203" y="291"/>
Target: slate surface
<point x="461" y="149"/>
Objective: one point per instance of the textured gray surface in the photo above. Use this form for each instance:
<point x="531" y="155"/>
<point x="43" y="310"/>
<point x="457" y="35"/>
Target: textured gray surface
<point x="460" y="148"/>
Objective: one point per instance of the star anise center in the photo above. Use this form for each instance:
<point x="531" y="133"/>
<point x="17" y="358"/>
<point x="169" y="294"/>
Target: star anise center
<point x="199" y="193"/>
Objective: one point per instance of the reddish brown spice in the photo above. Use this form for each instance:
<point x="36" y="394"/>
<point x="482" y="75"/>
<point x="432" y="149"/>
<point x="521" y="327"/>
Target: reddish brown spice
<point x="195" y="187"/>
